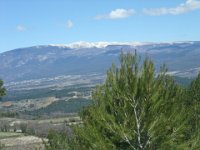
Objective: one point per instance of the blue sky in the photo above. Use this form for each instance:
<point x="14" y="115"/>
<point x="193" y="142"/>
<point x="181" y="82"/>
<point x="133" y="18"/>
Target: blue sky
<point x="39" y="22"/>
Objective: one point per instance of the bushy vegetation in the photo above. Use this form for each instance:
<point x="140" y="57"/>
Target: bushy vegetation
<point x="55" y="142"/>
<point x="62" y="106"/>
<point x="16" y="95"/>
<point x="1" y="146"/>
<point x="2" y="89"/>
<point x="137" y="109"/>
<point x="8" y="114"/>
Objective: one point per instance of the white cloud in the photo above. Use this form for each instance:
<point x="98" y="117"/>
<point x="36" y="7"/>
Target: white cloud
<point x="188" y="6"/>
<point x="20" y="28"/>
<point x="69" y="24"/>
<point x="117" y="14"/>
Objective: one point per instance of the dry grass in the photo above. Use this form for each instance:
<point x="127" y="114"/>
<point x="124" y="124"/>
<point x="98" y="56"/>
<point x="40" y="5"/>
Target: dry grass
<point x="4" y="135"/>
<point x="22" y="143"/>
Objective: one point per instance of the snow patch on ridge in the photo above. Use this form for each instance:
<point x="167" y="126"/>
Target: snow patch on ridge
<point x="82" y="44"/>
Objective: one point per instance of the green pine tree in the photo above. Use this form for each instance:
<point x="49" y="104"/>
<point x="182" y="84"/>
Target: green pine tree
<point x="192" y="104"/>
<point x="134" y="109"/>
<point x="137" y="109"/>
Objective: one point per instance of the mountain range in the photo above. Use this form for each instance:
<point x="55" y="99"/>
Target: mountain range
<point x="84" y="58"/>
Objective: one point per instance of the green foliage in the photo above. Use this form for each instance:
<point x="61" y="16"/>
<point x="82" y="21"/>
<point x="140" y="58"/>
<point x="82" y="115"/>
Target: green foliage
<point x="134" y="110"/>
<point x="59" y="141"/>
<point x="8" y="114"/>
<point x="23" y="127"/>
<point x="70" y="106"/>
<point x="16" y="95"/>
<point x="2" y="89"/>
<point x="1" y="146"/>
<point x="192" y="103"/>
<point x="138" y="109"/>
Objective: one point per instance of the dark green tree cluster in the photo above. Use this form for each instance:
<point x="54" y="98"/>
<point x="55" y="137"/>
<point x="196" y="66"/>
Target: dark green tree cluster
<point x="137" y="109"/>
<point x="2" y="89"/>
<point x="2" y="93"/>
<point x="59" y="141"/>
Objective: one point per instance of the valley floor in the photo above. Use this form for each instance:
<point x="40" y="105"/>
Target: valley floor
<point x="12" y="136"/>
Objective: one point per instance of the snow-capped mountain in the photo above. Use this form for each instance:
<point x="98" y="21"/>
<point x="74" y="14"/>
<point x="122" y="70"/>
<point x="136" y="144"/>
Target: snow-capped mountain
<point x="81" y="58"/>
